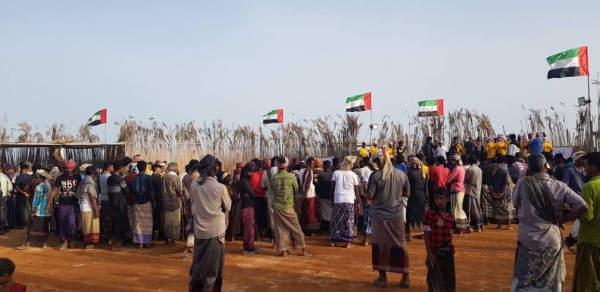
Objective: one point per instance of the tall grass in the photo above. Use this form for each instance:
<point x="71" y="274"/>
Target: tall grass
<point x="322" y="137"/>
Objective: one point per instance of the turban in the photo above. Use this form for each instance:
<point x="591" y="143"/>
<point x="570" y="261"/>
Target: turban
<point x="318" y="163"/>
<point x="84" y="166"/>
<point x="70" y="164"/>
<point x="457" y="158"/>
<point x="43" y="173"/>
<point x="578" y="155"/>
<point x="267" y="162"/>
<point x="348" y="163"/>
<point x="283" y="165"/>
<point x="207" y="164"/>
<point x="382" y="156"/>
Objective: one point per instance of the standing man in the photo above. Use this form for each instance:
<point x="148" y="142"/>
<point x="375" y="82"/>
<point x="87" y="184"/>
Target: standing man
<point x="587" y="262"/>
<point x="11" y="208"/>
<point x="6" y="189"/>
<point x="363" y="152"/>
<point x="68" y="204"/>
<point x="87" y="193"/>
<point x="539" y="261"/>
<point x="144" y="205"/>
<point x="473" y="178"/>
<point x="284" y="185"/>
<point x="401" y="149"/>
<point x="387" y="188"/>
<point x="158" y="215"/>
<point x="117" y="187"/>
<point x="574" y="177"/>
<point x="107" y="214"/>
<point x="22" y="197"/>
<point x="456" y="179"/>
<point x="428" y="148"/>
<point x="309" y="218"/>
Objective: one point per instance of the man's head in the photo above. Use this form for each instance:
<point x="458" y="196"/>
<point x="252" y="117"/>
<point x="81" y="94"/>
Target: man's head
<point x="90" y="171"/>
<point x="420" y="156"/>
<point x="364" y="144"/>
<point x="510" y="159"/>
<point x="441" y="197"/>
<point x="429" y="139"/>
<point x="126" y="160"/>
<point x="108" y="166"/>
<point x="501" y="159"/>
<point x="440" y="160"/>
<point x="327" y="165"/>
<point x="578" y="158"/>
<point x="400" y="143"/>
<point x="472" y="159"/>
<point x="536" y="163"/>
<point x="10" y="169"/>
<point x="400" y="159"/>
<point x="559" y="158"/>
<point x="69" y="167"/>
<point x="454" y="139"/>
<point x="141" y="166"/>
<point x="591" y="164"/>
<point x="23" y="168"/>
<point x="157" y="168"/>
<point x="117" y="166"/>
<point x="430" y="160"/>
<point x="7" y="268"/>
<point x="249" y="169"/>
<point x="173" y="166"/>
<point x="454" y="160"/>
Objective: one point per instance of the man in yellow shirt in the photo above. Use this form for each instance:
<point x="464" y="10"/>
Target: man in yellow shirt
<point x="547" y="145"/>
<point x="490" y="148"/>
<point x="391" y="150"/>
<point x="587" y="262"/>
<point x="363" y="152"/>
<point x="373" y="148"/>
<point x="501" y="146"/>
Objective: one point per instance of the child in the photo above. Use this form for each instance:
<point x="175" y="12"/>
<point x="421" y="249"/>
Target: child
<point x="7" y="268"/>
<point x="438" y="224"/>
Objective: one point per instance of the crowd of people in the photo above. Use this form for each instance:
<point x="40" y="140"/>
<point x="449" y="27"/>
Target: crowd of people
<point x="382" y="194"/>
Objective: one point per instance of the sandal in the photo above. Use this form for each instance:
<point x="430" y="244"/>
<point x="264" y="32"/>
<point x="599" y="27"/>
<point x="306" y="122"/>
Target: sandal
<point x="364" y="243"/>
<point x="187" y="256"/>
<point x="63" y="246"/>
<point x="379" y="283"/>
<point x="307" y="254"/>
<point x="22" y="247"/>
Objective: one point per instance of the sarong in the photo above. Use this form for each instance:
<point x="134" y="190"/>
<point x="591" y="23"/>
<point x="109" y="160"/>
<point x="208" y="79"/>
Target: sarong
<point x="486" y="202"/>
<point x="310" y="219"/>
<point x="367" y="219"/>
<point x="260" y="214"/>
<point x="587" y="268"/>
<point x="248" y="223"/>
<point x="67" y="222"/>
<point x="3" y="214"/>
<point x="142" y="229"/>
<point x="540" y="270"/>
<point x="188" y="229"/>
<point x="39" y="229"/>
<point x="235" y="219"/>
<point x="326" y="208"/>
<point x="131" y="220"/>
<point x="121" y="223"/>
<point x="206" y="272"/>
<point x="502" y="212"/>
<point x="389" y="253"/>
<point x="90" y="227"/>
<point x="473" y="211"/>
<point x="11" y="211"/>
<point x="286" y="228"/>
<point x="173" y="224"/>
<point x="342" y="222"/>
<point x="298" y="206"/>
<point x="460" y="217"/>
<point x="107" y="219"/>
<point x="23" y="210"/>
<point x="441" y="275"/>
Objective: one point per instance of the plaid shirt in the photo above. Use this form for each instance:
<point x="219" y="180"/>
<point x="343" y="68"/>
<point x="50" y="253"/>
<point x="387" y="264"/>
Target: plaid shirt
<point x="439" y="228"/>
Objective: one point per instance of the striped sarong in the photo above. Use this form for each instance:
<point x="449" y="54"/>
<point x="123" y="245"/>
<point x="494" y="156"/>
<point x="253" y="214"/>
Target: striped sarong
<point x="142" y="228"/>
<point x="388" y="252"/>
<point x="587" y="268"/>
<point x="540" y="270"/>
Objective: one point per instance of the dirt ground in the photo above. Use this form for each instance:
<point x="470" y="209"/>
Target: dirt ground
<point x="484" y="262"/>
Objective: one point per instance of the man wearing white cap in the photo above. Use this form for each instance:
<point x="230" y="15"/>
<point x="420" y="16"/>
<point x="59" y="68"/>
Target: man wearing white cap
<point x="441" y="150"/>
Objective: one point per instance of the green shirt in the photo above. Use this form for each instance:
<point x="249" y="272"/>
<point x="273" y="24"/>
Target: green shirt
<point x="589" y="228"/>
<point x="283" y="185"/>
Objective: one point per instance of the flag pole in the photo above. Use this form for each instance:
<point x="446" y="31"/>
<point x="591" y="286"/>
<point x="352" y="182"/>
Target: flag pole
<point x="592" y="146"/>
<point x="105" y="133"/>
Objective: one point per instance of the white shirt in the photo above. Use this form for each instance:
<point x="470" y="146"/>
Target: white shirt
<point x="311" y="193"/>
<point x="513" y="149"/>
<point x="441" y="151"/>
<point x="344" y="186"/>
<point x="85" y="205"/>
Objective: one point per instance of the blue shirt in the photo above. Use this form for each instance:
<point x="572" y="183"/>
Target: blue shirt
<point x="536" y="145"/>
<point x="402" y="167"/>
<point x="141" y="185"/>
<point x="40" y="201"/>
<point x="574" y="179"/>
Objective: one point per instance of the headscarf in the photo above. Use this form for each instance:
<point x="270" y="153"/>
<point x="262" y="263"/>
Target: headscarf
<point x="578" y="155"/>
<point x="456" y="157"/>
<point x="83" y="167"/>
<point x="267" y="162"/>
<point x="382" y="156"/>
<point x="207" y="164"/>
<point x="490" y="139"/>
<point x="70" y="164"/>
<point x="43" y="173"/>
<point x="283" y="165"/>
<point x="348" y="163"/>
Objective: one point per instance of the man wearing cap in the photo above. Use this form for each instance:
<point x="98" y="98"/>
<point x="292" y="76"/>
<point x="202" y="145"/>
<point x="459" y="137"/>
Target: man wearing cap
<point x="363" y="152"/>
<point x="68" y="204"/>
<point x="372" y="149"/>
<point x="441" y="150"/>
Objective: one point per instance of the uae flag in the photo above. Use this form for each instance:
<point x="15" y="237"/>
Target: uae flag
<point x="569" y="63"/>
<point x="273" y="117"/>
<point x="98" y="118"/>
<point x="359" y="103"/>
<point x="431" y="108"/>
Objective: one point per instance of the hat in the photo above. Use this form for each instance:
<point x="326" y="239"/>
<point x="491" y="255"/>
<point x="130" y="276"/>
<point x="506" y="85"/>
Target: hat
<point x="10" y="166"/>
<point x="84" y="166"/>
<point x="441" y="142"/>
<point x="374" y="142"/>
<point x="43" y="173"/>
<point x="578" y="155"/>
<point x="69" y="164"/>
<point x="224" y="175"/>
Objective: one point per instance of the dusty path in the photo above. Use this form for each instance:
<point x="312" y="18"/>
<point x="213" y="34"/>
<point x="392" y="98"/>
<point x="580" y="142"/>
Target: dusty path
<point x="484" y="262"/>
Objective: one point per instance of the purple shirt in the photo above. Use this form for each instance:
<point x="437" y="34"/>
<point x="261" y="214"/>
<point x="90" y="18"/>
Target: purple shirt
<point x="458" y="172"/>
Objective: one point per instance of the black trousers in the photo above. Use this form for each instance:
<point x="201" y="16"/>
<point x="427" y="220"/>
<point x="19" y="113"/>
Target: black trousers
<point x="121" y="224"/>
